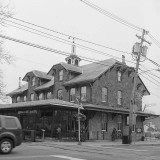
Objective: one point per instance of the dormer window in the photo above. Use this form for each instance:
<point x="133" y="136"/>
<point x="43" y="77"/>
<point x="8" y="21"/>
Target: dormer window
<point x="119" y="75"/>
<point x="33" y="81"/>
<point x="61" y="75"/>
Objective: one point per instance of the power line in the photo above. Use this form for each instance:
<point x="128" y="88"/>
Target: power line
<point x="112" y="16"/>
<point x="154" y="40"/>
<point x="51" y="50"/>
<point x="68" y="42"/>
<point x="77" y="38"/>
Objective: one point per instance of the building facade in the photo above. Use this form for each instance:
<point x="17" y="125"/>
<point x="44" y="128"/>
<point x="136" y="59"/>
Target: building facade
<point x="49" y="100"/>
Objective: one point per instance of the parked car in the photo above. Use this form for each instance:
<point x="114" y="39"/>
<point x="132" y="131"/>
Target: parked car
<point x="10" y="133"/>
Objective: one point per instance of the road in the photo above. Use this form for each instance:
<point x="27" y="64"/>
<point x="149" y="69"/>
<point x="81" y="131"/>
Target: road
<point x="36" y="151"/>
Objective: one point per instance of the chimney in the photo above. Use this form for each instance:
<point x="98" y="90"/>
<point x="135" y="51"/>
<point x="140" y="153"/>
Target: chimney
<point x="19" y="83"/>
<point x="123" y="59"/>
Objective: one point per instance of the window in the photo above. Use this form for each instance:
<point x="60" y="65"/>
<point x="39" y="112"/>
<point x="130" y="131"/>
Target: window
<point x="24" y="98"/>
<point x="49" y="95"/>
<point x="76" y="62"/>
<point x="41" y="96"/>
<point x="104" y="122"/>
<point x="119" y="97"/>
<point x="18" y="99"/>
<point x="72" y="94"/>
<point x="59" y="94"/>
<point x="119" y="124"/>
<point x="33" y="81"/>
<point x="127" y="120"/>
<point x="119" y="74"/>
<point x="104" y="94"/>
<point x="119" y="127"/>
<point x="10" y="123"/>
<point x="69" y="61"/>
<point x="61" y="75"/>
<point x="83" y="93"/>
<point x="32" y="97"/>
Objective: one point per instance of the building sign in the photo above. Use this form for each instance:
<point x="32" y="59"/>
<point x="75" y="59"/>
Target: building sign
<point x="28" y="112"/>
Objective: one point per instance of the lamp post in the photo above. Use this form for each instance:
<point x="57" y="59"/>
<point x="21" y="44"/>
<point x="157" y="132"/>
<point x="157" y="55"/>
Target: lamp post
<point x="79" y="120"/>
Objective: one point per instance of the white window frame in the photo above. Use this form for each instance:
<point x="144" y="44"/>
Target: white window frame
<point x="41" y="96"/>
<point x="83" y="93"/>
<point x="119" y="97"/>
<point x="72" y="94"/>
<point x="60" y="94"/>
<point x="18" y="98"/>
<point x="33" y="81"/>
<point x="32" y="96"/>
<point x="25" y="98"/>
<point x="119" y="75"/>
<point x="49" y="94"/>
<point x="104" y="94"/>
<point x="61" y="75"/>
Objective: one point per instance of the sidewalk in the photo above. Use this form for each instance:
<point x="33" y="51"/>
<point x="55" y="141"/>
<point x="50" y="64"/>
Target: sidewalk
<point x="98" y="143"/>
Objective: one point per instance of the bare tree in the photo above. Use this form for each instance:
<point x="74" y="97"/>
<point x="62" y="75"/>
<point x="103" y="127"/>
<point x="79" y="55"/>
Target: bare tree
<point x="5" y="13"/>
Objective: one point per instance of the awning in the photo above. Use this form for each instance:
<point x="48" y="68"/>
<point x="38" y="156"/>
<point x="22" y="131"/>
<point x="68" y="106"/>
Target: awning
<point x="38" y="103"/>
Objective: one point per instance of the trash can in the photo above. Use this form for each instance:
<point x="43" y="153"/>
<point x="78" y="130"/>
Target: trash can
<point x="33" y="136"/>
<point x="125" y="140"/>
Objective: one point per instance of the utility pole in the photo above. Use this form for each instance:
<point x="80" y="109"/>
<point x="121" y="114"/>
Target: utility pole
<point x="132" y="99"/>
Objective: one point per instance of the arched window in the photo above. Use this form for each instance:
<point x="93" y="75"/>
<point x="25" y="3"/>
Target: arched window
<point x="69" y="61"/>
<point x="59" y="94"/>
<point x="49" y="95"/>
<point x="33" y="81"/>
<point x="119" y="74"/>
<point x="83" y="93"/>
<point x="18" y="99"/>
<point x="32" y="97"/>
<point x="61" y="75"/>
<point x="72" y="94"/>
<point x="41" y="96"/>
<point x="76" y="62"/>
<point x="24" y="98"/>
<point x="119" y="97"/>
<point x="104" y="94"/>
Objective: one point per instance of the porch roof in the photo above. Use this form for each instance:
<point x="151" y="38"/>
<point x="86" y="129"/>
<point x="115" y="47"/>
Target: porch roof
<point x="115" y="110"/>
<point x="38" y="103"/>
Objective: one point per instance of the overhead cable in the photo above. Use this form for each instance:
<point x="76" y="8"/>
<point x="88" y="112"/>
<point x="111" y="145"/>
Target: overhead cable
<point x="112" y="16"/>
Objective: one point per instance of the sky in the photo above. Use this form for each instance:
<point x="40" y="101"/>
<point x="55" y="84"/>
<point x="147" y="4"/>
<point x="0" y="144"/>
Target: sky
<point x="76" y="19"/>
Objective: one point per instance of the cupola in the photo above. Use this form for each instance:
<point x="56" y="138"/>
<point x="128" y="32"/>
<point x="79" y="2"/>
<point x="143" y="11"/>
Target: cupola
<point x="73" y="59"/>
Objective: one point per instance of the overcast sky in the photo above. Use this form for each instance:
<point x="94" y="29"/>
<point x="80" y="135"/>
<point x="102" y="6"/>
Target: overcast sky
<point x="75" y="18"/>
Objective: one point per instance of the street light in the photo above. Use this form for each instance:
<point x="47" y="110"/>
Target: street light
<point x="79" y="120"/>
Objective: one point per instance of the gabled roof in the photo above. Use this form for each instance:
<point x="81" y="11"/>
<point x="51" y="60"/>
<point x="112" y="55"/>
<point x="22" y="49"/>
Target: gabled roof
<point x="45" y="86"/>
<point x="46" y="102"/>
<point x="22" y="89"/>
<point x="39" y="74"/>
<point x="92" y="71"/>
<point x="69" y="67"/>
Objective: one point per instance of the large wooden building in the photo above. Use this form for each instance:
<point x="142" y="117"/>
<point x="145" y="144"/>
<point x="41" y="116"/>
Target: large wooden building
<point x="48" y="100"/>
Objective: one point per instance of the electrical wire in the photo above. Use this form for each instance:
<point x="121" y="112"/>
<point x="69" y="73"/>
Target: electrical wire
<point x="68" y="42"/>
<point x="51" y="50"/>
<point x="77" y="38"/>
<point x="154" y="40"/>
<point x="112" y="16"/>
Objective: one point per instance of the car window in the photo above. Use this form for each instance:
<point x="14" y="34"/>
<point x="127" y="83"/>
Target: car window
<point x="10" y="123"/>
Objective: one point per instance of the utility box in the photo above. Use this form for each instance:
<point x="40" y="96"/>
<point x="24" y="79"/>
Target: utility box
<point x="125" y="140"/>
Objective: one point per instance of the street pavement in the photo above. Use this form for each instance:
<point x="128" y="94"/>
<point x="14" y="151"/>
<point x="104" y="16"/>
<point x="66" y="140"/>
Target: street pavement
<point x="90" y="150"/>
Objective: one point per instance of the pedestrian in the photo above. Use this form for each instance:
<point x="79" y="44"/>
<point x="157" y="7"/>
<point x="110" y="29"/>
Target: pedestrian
<point x="59" y="132"/>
